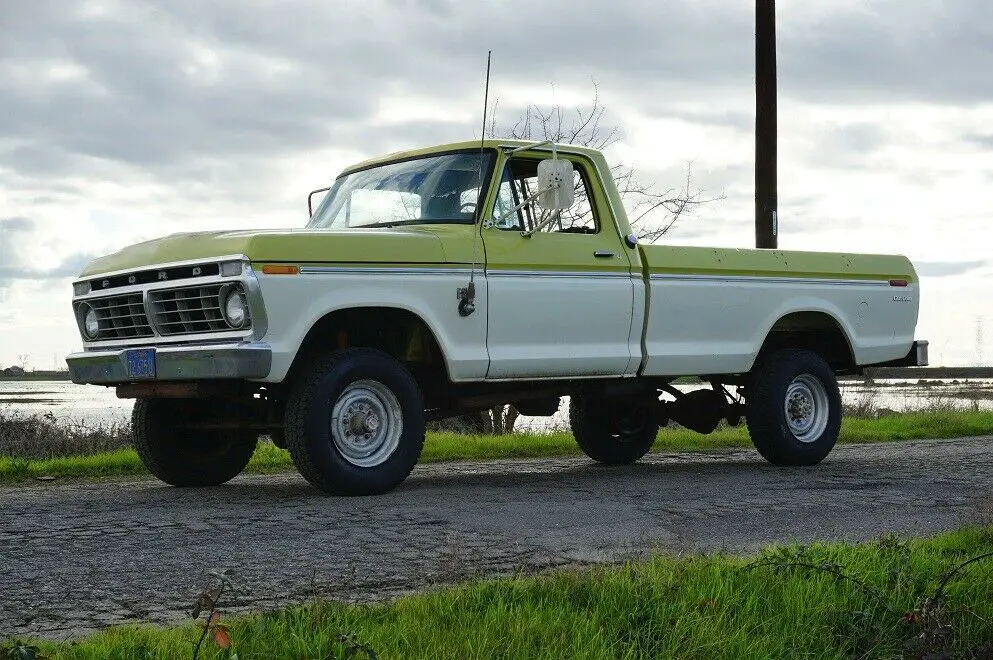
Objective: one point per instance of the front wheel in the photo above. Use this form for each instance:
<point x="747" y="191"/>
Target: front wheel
<point x="613" y="432"/>
<point x="173" y="449"/>
<point x="354" y="423"/>
<point x="793" y="408"/>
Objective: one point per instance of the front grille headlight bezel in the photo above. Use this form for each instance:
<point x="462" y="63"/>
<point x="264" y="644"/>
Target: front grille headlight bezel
<point x="235" y="301"/>
<point x="86" y="314"/>
<point x="118" y="317"/>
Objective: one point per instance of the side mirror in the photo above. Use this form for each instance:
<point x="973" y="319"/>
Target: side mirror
<point x="555" y="184"/>
<point x="310" y="200"/>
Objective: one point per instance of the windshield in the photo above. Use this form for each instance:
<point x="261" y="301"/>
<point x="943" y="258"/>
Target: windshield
<point x="434" y="189"/>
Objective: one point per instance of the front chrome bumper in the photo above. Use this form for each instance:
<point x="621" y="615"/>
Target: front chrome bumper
<point x="241" y="360"/>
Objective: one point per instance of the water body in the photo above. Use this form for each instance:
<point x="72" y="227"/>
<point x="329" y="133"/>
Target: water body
<point x="67" y="402"/>
<point x="95" y="405"/>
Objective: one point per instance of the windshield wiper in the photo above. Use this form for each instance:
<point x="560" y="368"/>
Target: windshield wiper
<point x="392" y="223"/>
<point x="419" y="221"/>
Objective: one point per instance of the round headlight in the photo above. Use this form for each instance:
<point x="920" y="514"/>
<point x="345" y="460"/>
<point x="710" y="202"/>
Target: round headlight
<point x="91" y="324"/>
<point x="235" y="310"/>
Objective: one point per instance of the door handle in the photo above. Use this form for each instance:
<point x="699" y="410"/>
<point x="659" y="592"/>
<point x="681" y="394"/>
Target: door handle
<point x="603" y="254"/>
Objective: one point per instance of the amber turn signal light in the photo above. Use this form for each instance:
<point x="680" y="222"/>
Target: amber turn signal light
<point x="277" y="269"/>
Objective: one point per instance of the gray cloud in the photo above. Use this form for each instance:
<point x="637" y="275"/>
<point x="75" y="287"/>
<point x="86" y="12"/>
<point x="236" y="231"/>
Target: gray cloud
<point x="69" y="267"/>
<point x="15" y="224"/>
<point x="16" y="235"/>
<point x="12" y="232"/>
<point x="983" y="141"/>
<point x="12" y="271"/>
<point x="892" y="51"/>
<point x="947" y="268"/>
<point x="849" y="146"/>
<point x="161" y="85"/>
<point x="149" y="90"/>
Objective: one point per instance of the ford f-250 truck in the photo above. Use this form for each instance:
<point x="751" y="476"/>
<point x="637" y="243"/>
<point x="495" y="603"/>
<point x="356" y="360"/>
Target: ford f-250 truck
<point x="454" y="278"/>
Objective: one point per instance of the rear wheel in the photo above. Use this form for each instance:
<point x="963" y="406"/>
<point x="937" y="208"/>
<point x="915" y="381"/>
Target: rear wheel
<point x="354" y="424"/>
<point x="613" y="432"/>
<point x="178" y="453"/>
<point x="793" y="408"/>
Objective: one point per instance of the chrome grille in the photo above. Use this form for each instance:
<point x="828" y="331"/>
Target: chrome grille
<point x="121" y="317"/>
<point x="188" y="310"/>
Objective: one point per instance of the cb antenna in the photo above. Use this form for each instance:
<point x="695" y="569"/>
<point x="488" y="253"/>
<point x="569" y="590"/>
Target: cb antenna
<point x="467" y="296"/>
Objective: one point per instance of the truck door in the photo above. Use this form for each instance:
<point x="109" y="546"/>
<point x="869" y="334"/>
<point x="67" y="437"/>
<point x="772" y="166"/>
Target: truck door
<point x="560" y="302"/>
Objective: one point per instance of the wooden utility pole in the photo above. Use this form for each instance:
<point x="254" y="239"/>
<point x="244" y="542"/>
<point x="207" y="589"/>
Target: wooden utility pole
<point x="766" y="196"/>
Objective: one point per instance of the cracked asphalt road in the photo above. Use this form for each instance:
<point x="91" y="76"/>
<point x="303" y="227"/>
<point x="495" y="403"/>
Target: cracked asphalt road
<point x="77" y="557"/>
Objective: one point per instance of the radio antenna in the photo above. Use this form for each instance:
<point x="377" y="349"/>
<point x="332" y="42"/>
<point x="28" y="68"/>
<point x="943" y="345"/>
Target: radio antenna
<point x="486" y="101"/>
<point x="467" y="296"/>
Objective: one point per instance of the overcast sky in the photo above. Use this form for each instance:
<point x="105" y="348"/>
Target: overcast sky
<point x="122" y="121"/>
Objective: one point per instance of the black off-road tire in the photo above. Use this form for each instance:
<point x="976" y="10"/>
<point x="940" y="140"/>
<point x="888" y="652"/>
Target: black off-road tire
<point x="766" y="408"/>
<point x="610" y="431"/>
<point x="309" y="422"/>
<point x="188" y="456"/>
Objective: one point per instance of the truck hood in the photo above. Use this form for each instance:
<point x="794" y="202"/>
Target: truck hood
<point x="389" y="246"/>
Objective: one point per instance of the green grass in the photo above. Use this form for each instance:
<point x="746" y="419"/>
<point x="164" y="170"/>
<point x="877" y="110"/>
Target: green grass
<point x="711" y="606"/>
<point x="454" y="447"/>
<point x="123" y="462"/>
<point x="905" y="426"/>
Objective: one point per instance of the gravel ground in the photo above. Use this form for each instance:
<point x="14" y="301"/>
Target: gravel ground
<point x="77" y="557"/>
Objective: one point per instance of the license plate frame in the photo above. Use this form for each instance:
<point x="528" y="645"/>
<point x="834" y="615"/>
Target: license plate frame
<point x="140" y="363"/>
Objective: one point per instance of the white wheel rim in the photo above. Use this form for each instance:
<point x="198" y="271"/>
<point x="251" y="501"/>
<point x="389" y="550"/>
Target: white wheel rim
<point x="807" y="408"/>
<point x="366" y="423"/>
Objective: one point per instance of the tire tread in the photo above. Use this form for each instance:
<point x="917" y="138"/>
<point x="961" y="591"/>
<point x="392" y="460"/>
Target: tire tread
<point x="297" y="419"/>
<point x="156" y="445"/>
<point x="590" y="426"/>
<point x="764" y="415"/>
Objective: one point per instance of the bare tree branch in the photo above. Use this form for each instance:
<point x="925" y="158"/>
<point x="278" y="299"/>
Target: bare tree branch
<point x="652" y="211"/>
<point x="493" y="115"/>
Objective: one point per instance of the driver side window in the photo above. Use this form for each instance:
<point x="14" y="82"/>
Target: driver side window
<point x="519" y="189"/>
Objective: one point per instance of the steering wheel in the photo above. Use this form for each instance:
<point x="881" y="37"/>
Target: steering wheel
<point x="469" y="208"/>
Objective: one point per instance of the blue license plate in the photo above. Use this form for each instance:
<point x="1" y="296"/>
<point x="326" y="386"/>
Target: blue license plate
<point x="141" y="362"/>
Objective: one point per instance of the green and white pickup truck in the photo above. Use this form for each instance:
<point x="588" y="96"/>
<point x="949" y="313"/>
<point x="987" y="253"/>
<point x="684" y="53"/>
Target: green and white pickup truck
<point x="434" y="282"/>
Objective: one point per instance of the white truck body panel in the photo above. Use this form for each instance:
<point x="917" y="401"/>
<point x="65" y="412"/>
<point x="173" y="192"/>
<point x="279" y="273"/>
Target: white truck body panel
<point x="294" y="303"/>
<point x="689" y="332"/>
<point x="557" y="324"/>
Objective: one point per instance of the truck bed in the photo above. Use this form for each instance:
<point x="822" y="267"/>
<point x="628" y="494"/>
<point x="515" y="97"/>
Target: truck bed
<point x="700" y="300"/>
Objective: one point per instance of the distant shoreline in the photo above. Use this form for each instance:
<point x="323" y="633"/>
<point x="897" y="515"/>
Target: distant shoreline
<point x="930" y="373"/>
<point x="36" y="375"/>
